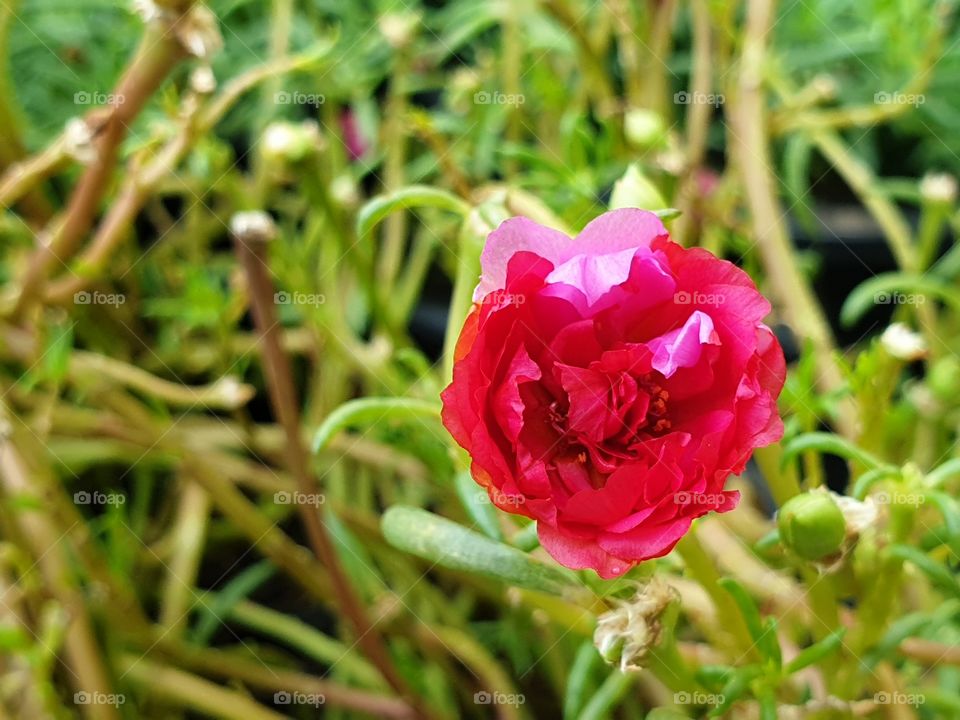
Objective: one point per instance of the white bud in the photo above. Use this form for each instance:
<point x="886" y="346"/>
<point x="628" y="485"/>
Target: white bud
<point x="199" y="32"/>
<point x="643" y="128"/>
<point x="202" y="80"/>
<point x="398" y="28"/>
<point x="290" y="142"/>
<point x="253" y="225"/>
<point x="633" y="627"/>
<point x="939" y="188"/>
<point x="78" y="141"/>
<point x="232" y="393"/>
<point x="903" y="343"/>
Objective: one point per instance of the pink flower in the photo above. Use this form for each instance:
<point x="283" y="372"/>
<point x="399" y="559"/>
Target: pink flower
<point x="607" y="386"/>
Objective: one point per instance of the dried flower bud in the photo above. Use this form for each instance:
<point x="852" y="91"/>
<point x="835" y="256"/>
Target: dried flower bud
<point x="253" y="225"/>
<point x="857" y="514"/>
<point x="199" y="32"/>
<point x="625" y="634"/>
<point x="903" y="343"/>
<point x="812" y="525"/>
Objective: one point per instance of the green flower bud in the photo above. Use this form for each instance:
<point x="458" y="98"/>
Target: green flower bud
<point x="812" y="525"/>
<point x="944" y="378"/>
<point x="634" y="190"/>
<point x="286" y="142"/>
<point x="643" y="128"/>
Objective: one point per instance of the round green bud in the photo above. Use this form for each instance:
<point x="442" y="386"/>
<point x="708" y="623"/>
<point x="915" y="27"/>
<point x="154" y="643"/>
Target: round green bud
<point x="812" y="525"/>
<point x="643" y="128"/>
<point x="944" y="378"/>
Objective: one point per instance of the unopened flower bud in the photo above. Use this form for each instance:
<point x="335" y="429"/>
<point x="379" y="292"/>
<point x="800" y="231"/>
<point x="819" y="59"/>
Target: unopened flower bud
<point x="643" y="128"/>
<point x="202" y="80"/>
<point x="230" y="393"/>
<point x="634" y="190"/>
<point x="290" y="142"/>
<point x="78" y="141"/>
<point x="812" y="525"/>
<point x="943" y="378"/>
<point x="398" y="28"/>
<point x="627" y="633"/>
<point x="253" y="225"/>
<point x="199" y="32"/>
<point x="940" y="188"/>
<point x="903" y="343"/>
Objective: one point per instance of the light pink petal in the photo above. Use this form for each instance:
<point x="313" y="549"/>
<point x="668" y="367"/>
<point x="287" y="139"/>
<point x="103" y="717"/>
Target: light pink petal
<point x="681" y="348"/>
<point x="595" y="274"/>
<point x="627" y="228"/>
<point x="512" y="236"/>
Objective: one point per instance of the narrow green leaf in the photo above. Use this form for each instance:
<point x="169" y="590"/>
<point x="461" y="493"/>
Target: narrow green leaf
<point x="367" y="411"/>
<point x="748" y="608"/>
<point x="478" y="506"/>
<point x="412" y="196"/>
<point x="880" y="288"/>
<point x="816" y="652"/>
<point x="453" y="546"/>
<point x="210" y="614"/>
<point x="56" y="357"/>
<point x="735" y="688"/>
<point x="666" y="214"/>
<point x="938" y="574"/>
<point x="908" y="626"/>
<point x="828" y="443"/>
<point x="610" y="693"/>
<point x="871" y="477"/>
<point x="585" y="662"/>
<point x="938" y="476"/>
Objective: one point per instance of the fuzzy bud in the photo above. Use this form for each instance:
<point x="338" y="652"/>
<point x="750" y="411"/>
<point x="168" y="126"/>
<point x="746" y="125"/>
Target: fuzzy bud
<point x="903" y="343"/>
<point x="627" y="633"/>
